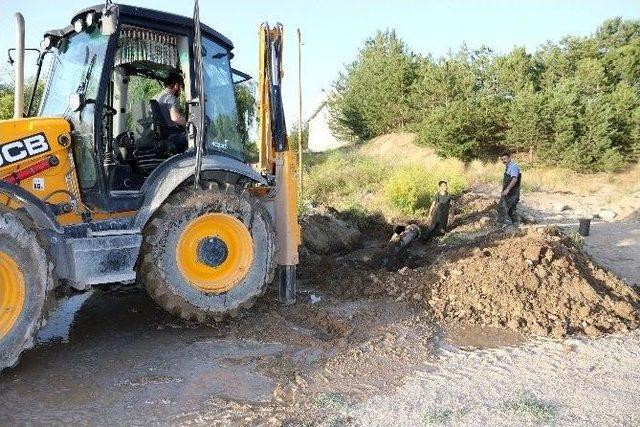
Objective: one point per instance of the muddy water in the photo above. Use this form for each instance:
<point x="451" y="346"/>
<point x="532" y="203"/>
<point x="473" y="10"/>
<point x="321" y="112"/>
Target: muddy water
<point x="119" y="358"/>
<point x="114" y="359"/>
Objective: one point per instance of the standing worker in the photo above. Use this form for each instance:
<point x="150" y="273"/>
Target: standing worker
<point x="510" y="192"/>
<point x="439" y="211"/>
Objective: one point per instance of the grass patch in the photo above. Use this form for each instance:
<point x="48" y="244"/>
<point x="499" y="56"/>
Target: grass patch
<point x="332" y="401"/>
<point x="411" y="188"/>
<point x="398" y="179"/>
<point x="443" y="416"/>
<point x="361" y="185"/>
<point x="576" y="238"/>
<point x="526" y="404"/>
<point x="341" y="175"/>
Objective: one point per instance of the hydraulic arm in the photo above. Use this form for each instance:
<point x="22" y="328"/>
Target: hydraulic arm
<point x="277" y="158"/>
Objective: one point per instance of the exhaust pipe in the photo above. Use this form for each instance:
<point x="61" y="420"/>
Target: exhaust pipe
<point x="18" y="102"/>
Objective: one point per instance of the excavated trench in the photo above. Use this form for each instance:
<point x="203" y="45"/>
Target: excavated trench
<point x="535" y="281"/>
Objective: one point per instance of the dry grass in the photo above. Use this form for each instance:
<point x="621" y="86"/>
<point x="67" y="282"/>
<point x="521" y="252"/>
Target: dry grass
<point x="368" y="178"/>
<point x="399" y="149"/>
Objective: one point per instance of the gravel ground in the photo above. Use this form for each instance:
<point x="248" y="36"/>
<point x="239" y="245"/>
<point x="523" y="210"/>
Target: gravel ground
<point x="575" y="382"/>
<point x="616" y="245"/>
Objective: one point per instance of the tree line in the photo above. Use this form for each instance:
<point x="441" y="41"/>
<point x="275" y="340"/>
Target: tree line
<point x="574" y="103"/>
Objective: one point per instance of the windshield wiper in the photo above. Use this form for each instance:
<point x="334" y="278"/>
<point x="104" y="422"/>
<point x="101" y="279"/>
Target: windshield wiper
<point x="82" y="89"/>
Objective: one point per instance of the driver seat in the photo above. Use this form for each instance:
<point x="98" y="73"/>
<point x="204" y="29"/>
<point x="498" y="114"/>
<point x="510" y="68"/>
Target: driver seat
<point x="162" y="128"/>
<point x="155" y="140"/>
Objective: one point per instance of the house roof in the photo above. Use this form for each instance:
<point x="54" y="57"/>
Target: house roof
<point x="317" y="110"/>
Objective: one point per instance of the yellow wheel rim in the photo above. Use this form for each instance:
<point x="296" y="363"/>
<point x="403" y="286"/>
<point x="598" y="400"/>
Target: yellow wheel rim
<point x="12" y="293"/>
<point x="215" y="252"/>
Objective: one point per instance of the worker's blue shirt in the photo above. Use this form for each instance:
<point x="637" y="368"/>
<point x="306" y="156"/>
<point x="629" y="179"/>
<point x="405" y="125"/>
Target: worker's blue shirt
<point x="512" y="169"/>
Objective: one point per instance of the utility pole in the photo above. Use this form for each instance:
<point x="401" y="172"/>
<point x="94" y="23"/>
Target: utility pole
<point x="299" y="113"/>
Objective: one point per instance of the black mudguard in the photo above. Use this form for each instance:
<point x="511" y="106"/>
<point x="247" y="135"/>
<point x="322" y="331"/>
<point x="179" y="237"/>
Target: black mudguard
<point x="179" y="169"/>
<point x="41" y="215"/>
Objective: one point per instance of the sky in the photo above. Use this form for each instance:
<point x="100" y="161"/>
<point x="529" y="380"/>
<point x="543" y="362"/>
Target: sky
<point x="333" y="30"/>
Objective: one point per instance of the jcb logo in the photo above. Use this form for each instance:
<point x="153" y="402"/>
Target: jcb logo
<point x="14" y="151"/>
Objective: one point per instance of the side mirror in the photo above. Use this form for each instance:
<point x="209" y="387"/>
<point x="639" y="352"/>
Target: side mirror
<point x="76" y="101"/>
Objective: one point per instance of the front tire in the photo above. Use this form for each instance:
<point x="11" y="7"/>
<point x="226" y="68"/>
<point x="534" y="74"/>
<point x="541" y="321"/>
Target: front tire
<point x="26" y="279"/>
<point x="207" y="254"/>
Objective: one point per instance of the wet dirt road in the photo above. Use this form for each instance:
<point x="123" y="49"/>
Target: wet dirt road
<point x="127" y="361"/>
<point x="113" y="359"/>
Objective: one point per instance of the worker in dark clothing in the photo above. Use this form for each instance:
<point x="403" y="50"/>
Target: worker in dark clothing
<point x="439" y="211"/>
<point x="510" y="192"/>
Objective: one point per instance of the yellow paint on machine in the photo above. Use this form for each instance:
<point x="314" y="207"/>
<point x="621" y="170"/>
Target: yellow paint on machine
<point x="12" y="293"/>
<point x="233" y="266"/>
<point x="288" y="234"/>
<point x="54" y="184"/>
<point x="283" y="164"/>
<point x="58" y="184"/>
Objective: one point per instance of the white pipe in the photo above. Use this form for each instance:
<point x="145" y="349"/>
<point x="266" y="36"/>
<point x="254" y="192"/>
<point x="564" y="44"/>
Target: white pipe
<point x="18" y="103"/>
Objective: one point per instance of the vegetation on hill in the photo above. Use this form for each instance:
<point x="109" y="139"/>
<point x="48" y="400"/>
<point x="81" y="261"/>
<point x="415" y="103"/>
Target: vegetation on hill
<point x="575" y="103"/>
<point x="361" y="185"/>
<point x="392" y="178"/>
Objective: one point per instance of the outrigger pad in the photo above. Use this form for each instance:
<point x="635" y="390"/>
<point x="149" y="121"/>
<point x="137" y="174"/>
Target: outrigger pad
<point x="287" y="284"/>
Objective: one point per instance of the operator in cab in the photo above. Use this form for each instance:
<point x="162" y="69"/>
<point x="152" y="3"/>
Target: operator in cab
<point x="168" y="101"/>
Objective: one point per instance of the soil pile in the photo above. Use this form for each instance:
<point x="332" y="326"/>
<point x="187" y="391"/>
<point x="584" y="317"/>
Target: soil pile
<point x="537" y="283"/>
<point x="472" y="212"/>
<point x="324" y="234"/>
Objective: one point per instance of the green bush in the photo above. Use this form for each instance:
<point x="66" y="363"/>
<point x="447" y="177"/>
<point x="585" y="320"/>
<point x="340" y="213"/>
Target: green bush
<point x="366" y="190"/>
<point x="410" y="189"/>
<point x="342" y="175"/>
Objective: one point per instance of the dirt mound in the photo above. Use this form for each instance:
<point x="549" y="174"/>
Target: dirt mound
<point x="537" y="283"/>
<point x="324" y="234"/>
<point x="473" y="211"/>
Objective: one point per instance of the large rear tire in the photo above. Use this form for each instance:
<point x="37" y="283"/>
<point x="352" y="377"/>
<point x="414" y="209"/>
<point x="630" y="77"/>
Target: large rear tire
<point x="26" y="279"/>
<point x="208" y="254"/>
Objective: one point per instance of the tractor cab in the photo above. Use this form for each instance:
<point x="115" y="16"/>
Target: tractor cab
<point x="105" y="80"/>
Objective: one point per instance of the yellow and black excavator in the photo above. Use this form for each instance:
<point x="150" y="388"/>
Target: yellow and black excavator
<point x="100" y="187"/>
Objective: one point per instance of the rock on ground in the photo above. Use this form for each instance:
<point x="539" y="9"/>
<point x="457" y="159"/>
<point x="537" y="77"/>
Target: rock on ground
<point x="325" y="234"/>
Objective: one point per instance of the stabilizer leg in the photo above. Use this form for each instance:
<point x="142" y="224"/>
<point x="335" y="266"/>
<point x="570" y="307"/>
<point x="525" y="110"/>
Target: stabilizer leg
<point x="287" y="284"/>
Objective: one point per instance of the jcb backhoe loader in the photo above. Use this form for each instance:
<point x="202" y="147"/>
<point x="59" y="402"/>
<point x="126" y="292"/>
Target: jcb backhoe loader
<point x="100" y="187"/>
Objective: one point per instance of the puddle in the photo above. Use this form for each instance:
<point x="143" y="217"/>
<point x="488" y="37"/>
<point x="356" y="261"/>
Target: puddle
<point x="241" y="384"/>
<point x="478" y="337"/>
<point x="237" y="349"/>
<point x="60" y="320"/>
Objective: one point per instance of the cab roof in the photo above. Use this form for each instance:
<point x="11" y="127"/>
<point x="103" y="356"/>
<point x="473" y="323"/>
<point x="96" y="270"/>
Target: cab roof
<point x="153" y="19"/>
